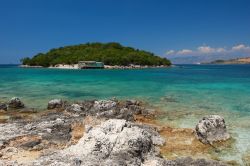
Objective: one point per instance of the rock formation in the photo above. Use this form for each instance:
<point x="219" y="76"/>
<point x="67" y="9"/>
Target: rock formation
<point x="86" y="133"/>
<point x="15" y="103"/>
<point x="3" y="106"/>
<point x="114" y="142"/>
<point x="119" y="143"/>
<point x="55" y="103"/>
<point x="212" y="128"/>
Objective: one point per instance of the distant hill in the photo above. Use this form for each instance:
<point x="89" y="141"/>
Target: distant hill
<point x="232" y="61"/>
<point x="108" y="53"/>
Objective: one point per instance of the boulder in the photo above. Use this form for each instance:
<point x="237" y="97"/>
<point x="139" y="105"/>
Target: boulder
<point x="212" y="128"/>
<point x="3" y="106"/>
<point x="55" y="103"/>
<point x="104" y="105"/>
<point x="16" y="103"/>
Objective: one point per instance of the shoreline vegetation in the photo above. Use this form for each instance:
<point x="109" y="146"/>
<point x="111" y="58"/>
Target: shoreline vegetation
<point x="112" y="55"/>
<point x="94" y="132"/>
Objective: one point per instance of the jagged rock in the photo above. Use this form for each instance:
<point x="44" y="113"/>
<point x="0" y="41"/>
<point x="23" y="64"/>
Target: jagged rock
<point x="55" y="131"/>
<point x="55" y="103"/>
<point x="74" y="108"/>
<point x="108" y="109"/>
<point x="16" y="103"/>
<point x="3" y="106"/>
<point x="104" y="105"/>
<point x="114" y="142"/>
<point x="118" y="143"/>
<point x="113" y="137"/>
<point x="122" y="113"/>
<point x="212" y="128"/>
<point x="86" y="105"/>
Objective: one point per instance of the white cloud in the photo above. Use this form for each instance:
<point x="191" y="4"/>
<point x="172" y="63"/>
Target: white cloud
<point x="184" y="52"/>
<point x="207" y="50"/>
<point x="220" y="50"/>
<point x="170" y="52"/>
<point x="240" y="47"/>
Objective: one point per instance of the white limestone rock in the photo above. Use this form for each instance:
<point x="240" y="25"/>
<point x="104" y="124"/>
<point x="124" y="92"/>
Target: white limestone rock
<point x="104" y="104"/>
<point x="55" y="103"/>
<point x="212" y="128"/>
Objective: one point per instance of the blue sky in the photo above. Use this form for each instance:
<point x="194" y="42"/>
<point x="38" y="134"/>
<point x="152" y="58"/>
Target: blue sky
<point x="172" y="28"/>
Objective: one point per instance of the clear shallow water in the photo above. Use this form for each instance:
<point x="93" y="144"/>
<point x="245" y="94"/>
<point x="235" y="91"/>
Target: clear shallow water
<point x="186" y="92"/>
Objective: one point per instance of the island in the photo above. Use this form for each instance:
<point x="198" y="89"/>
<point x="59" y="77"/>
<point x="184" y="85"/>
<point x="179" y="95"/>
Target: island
<point x="245" y="60"/>
<point x="111" y="55"/>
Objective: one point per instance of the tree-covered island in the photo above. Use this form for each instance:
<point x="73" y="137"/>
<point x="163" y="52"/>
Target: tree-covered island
<point x="108" y="53"/>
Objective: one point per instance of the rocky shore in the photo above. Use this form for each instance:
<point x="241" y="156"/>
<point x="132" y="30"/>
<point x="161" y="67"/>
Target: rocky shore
<point x="103" y="132"/>
<point x="75" y="66"/>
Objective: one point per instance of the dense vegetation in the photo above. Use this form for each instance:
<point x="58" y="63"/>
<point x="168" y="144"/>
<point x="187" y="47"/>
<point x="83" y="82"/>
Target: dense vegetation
<point x="109" y="53"/>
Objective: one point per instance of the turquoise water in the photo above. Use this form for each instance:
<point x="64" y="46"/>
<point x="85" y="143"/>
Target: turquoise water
<point x="185" y="92"/>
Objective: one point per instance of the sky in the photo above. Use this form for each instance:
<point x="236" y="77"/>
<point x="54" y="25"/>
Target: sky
<point x="185" y="31"/>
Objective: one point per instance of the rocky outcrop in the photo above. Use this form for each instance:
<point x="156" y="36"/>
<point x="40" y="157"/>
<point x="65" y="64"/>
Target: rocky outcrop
<point x="104" y="105"/>
<point x="86" y="133"/>
<point x="118" y="142"/>
<point x="107" y="109"/>
<point x="15" y="103"/>
<point x="55" y="103"/>
<point x="114" y="142"/>
<point x="212" y="128"/>
<point x="74" y="108"/>
<point x="55" y="126"/>
<point x="3" y="106"/>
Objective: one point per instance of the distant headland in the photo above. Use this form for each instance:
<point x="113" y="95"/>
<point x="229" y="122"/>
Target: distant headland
<point x="231" y="61"/>
<point x="96" y="55"/>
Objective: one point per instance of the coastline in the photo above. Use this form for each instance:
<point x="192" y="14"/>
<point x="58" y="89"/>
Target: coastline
<point x="75" y="66"/>
<point x="180" y="142"/>
<point x="238" y="61"/>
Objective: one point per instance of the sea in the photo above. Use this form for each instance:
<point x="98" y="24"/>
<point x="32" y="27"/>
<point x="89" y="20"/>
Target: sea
<point x="185" y="92"/>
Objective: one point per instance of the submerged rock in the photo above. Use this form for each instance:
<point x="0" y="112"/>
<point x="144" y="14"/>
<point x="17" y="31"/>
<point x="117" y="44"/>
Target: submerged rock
<point x="55" y="103"/>
<point x="212" y="128"/>
<point x="16" y="103"/>
<point x="3" y="106"/>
